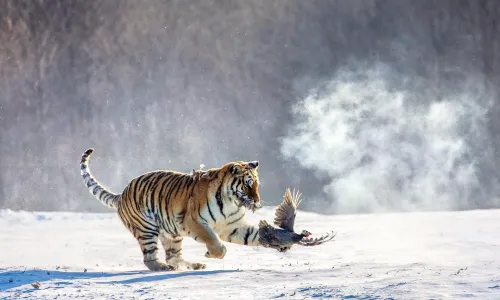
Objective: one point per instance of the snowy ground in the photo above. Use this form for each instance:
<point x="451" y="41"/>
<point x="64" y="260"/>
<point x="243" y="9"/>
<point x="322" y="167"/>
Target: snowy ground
<point x="400" y="256"/>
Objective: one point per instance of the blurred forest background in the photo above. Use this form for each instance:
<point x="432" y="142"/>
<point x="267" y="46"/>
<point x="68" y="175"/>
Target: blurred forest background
<point x="174" y="84"/>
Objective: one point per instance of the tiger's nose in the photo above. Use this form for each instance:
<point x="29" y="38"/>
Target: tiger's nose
<point x="256" y="198"/>
<point x="253" y="164"/>
<point x="257" y="201"/>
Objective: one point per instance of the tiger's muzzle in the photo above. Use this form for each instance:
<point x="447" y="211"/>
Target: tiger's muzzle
<point x="249" y="202"/>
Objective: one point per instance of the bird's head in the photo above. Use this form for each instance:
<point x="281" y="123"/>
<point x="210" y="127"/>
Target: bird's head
<point x="305" y="233"/>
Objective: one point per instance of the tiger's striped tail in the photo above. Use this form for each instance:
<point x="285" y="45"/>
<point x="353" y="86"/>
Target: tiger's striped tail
<point x="95" y="187"/>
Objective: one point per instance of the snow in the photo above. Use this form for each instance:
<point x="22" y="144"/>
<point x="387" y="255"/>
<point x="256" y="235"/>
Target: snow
<point x="374" y="256"/>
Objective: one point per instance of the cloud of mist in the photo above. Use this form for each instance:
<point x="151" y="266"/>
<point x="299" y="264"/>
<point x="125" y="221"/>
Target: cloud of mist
<point x="384" y="149"/>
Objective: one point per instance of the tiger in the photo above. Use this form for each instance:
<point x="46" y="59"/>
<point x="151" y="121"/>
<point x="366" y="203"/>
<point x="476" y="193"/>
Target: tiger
<point x="166" y="205"/>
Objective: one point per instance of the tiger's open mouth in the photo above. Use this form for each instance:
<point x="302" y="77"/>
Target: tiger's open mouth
<point x="247" y="202"/>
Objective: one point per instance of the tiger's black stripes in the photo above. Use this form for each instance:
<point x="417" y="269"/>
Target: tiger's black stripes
<point x="181" y="215"/>
<point x="232" y="233"/>
<point x="172" y="251"/>
<point x="139" y="188"/>
<point x="162" y="224"/>
<point x="150" y="251"/>
<point x="234" y="183"/>
<point x="255" y="236"/>
<point x="163" y="193"/>
<point x="174" y="183"/>
<point x="218" y="197"/>
<point x="147" y="183"/>
<point x="142" y="182"/>
<point x="175" y="186"/>
<point x="249" y="232"/>
<point x="154" y="188"/>
<point x="234" y="213"/>
<point x="105" y="196"/>
<point x="146" y="237"/>
<point x="148" y="186"/>
<point x="199" y="214"/>
<point x="234" y="221"/>
<point x="166" y="193"/>
<point x="184" y="181"/>
<point x="210" y="212"/>
<point x="150" y="243"/>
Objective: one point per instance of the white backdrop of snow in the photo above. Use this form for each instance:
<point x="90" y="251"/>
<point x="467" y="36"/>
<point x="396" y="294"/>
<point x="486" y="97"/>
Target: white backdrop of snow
<point x="394" y="255"/>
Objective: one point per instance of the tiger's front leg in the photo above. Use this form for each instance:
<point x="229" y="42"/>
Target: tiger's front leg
<point x="242" y="234"/>
<point x="202" y="232"/>
<point x="246" y="234"/>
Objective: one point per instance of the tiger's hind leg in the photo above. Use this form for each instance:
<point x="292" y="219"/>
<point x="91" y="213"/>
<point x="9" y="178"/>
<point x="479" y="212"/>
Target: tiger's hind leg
<point x="148" y="243"/>
<point x="145" y="231"/>
<point x="173" y="253"/>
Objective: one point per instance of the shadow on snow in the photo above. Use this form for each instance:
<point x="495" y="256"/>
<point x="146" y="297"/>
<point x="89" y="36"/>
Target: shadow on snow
<point x="167" y="275"/>
<point x="59" y="279"/>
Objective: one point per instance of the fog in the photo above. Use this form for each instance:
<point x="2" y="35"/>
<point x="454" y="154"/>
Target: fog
<point x="365" y="106"/>
<point x="385" y="149"/>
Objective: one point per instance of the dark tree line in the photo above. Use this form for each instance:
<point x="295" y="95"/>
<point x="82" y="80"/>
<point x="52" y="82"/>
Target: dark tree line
<point x="173" y="84"/>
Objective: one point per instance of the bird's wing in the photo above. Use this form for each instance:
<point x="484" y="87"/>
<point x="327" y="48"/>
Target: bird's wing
<point x="287" y="210"/>
<point x="263" y="223"/>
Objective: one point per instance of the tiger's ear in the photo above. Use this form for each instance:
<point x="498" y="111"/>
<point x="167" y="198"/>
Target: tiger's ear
<point x="236" y="169"/>
<point x="253" y="164"/>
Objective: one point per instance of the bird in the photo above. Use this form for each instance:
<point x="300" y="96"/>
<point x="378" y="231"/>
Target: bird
<point x="284" y="237"/>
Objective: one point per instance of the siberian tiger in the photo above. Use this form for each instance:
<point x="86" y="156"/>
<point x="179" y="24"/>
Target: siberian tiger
<point x="208" y="206"/>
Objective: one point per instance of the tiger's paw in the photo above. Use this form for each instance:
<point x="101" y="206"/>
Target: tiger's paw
<point x="196" y="266"/>
<point x="218" y="251"/>
<point x="158" y="266"/>
<point x="181" y="264"/>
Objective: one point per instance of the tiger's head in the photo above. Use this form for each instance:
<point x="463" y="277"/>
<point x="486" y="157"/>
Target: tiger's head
<point x="244" y="185"/>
